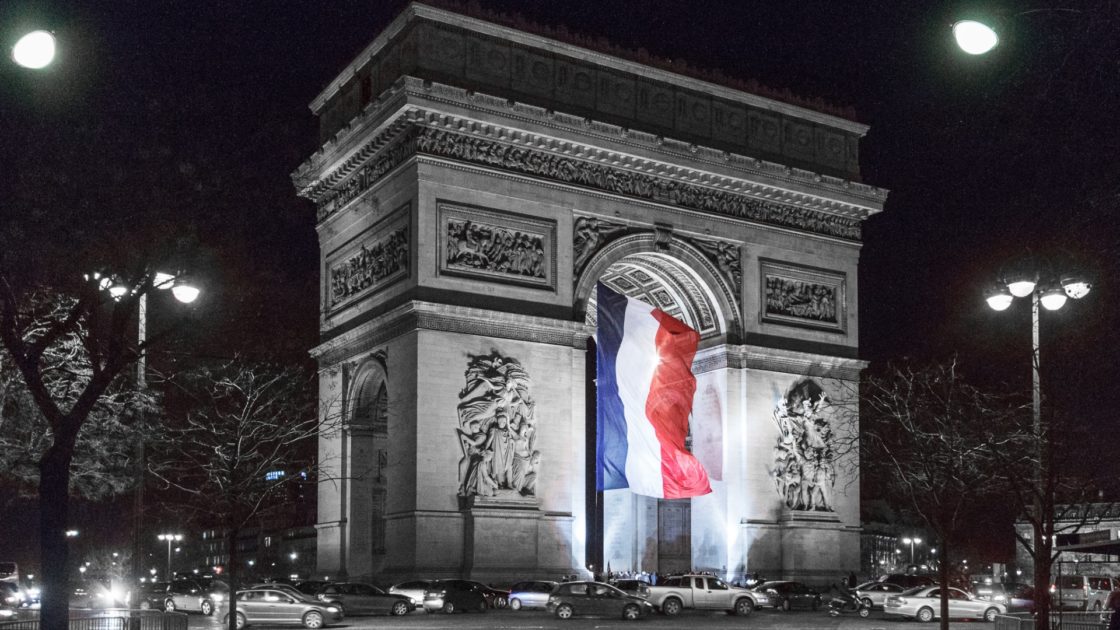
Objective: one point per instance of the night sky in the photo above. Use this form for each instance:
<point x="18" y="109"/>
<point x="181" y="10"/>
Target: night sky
<point x="199" y="111"/>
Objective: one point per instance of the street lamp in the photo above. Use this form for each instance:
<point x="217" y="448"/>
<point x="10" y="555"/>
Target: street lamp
<point x="911" y="542"/>
<point x="978" y="37"/>
<point x="35" y="50"/>
<point x="170" y="538"/>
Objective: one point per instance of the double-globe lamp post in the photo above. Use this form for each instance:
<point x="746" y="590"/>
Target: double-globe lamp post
<point x="911" y="542"/>
<point x="170" y="538"/>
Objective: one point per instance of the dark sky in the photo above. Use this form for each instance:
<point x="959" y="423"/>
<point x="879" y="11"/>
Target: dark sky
<point x="987" y="159"/>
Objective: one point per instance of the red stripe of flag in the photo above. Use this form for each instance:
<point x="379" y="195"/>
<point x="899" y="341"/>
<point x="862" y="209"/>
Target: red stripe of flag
<point x="668" y="406"/>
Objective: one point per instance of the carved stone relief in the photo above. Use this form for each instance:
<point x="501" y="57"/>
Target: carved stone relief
<point x="591" y="233"/>
<point x="497" y="429"/>
<point x="804" y="469"/>
<point x="379" y="260"/>
<point x="497" y="246"/>
<point x="727" y="257"/>
<point x="802" y="296"/>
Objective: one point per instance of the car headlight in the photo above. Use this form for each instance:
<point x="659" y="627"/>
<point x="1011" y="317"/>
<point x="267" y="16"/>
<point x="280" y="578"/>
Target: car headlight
<point x="217" y="597"/>
<point x="332" y="609"/>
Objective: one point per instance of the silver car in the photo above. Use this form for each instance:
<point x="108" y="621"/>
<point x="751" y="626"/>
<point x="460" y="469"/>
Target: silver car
<point x="531" y="594"/>
<point x="413" y="590"/>
<point x="924" y="604"/>
<point x="874" y="594"/>
<point x="271" y="606"/>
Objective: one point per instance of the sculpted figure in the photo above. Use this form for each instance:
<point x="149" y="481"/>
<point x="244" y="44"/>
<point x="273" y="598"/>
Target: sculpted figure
<point x="804" y="473"/>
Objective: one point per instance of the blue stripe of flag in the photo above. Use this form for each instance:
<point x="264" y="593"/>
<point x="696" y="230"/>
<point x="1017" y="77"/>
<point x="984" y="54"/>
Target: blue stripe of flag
<point x="611" y="443"/>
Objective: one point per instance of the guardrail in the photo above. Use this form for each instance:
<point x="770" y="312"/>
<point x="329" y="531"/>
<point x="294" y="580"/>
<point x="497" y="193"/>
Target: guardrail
<point x="1063" y="621"/>
<point x="111" y="619"/>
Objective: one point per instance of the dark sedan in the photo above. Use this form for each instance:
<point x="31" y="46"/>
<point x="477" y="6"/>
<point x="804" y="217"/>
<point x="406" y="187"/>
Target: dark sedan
<point x="357" y="598"/>
<point x="452" y="596"/>
<point x="597" y="599"/>
<point x="786" y="595"/>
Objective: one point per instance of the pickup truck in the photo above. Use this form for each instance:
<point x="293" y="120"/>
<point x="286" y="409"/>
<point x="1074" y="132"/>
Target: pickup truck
<point x="703" y="592"/>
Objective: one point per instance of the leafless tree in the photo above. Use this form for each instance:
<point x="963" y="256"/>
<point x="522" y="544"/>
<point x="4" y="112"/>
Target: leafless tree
<point x="931" y="441"/>
<point x="228" y="427"/>
<point x="69" y="354"/>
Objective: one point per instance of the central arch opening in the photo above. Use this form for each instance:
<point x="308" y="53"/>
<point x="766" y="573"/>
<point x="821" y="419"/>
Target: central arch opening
<point x="638" y="533"/>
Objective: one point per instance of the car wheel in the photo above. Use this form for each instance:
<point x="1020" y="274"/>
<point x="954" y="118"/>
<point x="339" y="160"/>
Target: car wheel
<point x="631" y="612"/>
<point x="169" y="605"/>
<point x="671" y="607"/>
<point x="785" y="605"/>
<point x="145" y="605"/>
<point x="743" y="607"/>
<point x="515" y="603"/>
<point x="866" y="601"/>
<point x="925" y="614"/>
<point x="864" y="611"/>
<point x="207" y="607"/>
<point x="313" y="619"/>
<point x="399" y="608"/>
<point x="448" y="607"/>
<point x="239" y="621"/>
<point x="564" y="611"/>
<point x="991" y="614"/>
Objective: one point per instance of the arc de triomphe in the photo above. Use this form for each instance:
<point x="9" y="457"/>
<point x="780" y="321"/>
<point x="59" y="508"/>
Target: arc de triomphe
<point x="474" y="183"/>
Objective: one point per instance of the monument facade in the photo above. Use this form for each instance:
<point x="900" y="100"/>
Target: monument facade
<point x="473" y="185"/>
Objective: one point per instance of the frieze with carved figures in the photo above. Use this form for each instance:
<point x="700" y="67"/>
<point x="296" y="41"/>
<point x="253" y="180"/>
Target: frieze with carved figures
<point x="374" y="263"/>
<point x="497" y="246"/>
<point x="802" y="296"/>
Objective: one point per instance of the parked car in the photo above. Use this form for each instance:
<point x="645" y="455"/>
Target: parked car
<point x="1082" y="592"/>
<point x="637" y="588"/>
<point x="413" y="590"/>
<point x="283" y="588"/>
<point x="1017" y="597"/>
<point x="786" y="595"/>
<point x="873" y="594"/>
<point x="271" y="606"/>
<point x="677" y="593"/>
<point x="495" y="597"/>
<point x="924" y="604"/>
<point x="97" y="593"/>
<point x="907" y="580"/>
<point x="531" y="594"/>
<point x="11" y="598"/>
<point x="151" y="595"/>
<point x="190" y="595"/>
<point x="595" y="598"/>
<point x="455" y="596"/>
<point x="357" y="598"/>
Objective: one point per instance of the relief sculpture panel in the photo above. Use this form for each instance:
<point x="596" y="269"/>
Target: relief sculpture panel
<point x="371" y="263"/>
<point x="804" y="469"/>
<point x="802" y="296"/>
<point x="497" y="246"/>
<point x="497" y="429"/>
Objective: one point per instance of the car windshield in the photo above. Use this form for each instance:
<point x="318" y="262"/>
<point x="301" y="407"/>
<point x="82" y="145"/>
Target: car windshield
<point x="865" y="586"/>
<point x="913" y="591"/>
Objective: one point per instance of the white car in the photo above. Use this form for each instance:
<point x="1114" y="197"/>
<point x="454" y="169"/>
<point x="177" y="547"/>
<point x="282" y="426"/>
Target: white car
<point x="924" y="604"/>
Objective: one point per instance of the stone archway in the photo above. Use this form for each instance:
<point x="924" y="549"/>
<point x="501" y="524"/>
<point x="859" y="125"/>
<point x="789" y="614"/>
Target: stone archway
<point x="640" y="533"/>
<point x="367" y="433"/>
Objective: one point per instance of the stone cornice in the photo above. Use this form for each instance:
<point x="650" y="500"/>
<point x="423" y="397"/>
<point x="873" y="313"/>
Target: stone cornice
<point x="417" y="315"/>
<point x="855" y="199"/>
<point x="415" y="11"/>
<point x="775" y="360"/>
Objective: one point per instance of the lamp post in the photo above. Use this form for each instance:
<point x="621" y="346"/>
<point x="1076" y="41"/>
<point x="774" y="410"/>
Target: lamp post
<point x="184" y="292"/>
<point x="1050" y="294"/>
<point x="170" y="538"/>
<point x="911" y="542"/>
<point x="979" y="37"/>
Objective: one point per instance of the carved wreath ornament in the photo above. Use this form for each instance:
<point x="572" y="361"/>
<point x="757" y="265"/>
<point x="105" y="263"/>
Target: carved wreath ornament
<point x="497" y="429"/>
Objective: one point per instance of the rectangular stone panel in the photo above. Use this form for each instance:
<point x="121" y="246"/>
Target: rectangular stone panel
<point x="798" y="140"/>
<point x="440" y="50"/>
<point x="390" y="69"/>
<point x="694" y="114"/>
<point x="764" y="131"/>
<point x="729" y="122"/>
<point x="488" y="62"/>
<point x="654" y="104"/>
<point x="496" y="246"/>
<point x="615" y="93"/>
<point x="370" y="262"/>
<point x="531" y="72"/>
<point x="802" y="296"/>
<point x="832" y="148"/>
<point x="574" y="83"/>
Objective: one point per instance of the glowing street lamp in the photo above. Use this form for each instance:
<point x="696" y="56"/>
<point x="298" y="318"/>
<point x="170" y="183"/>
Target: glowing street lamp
<point x="911" y="542"/>
<point x="35" y="50"/>
<point x="170" y="538"/>
<point x="975" y="38"/>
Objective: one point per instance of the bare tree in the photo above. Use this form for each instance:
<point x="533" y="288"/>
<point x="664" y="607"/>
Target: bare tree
<point x="69" y="354"/>
<point x="229" y="426"/>
<point x="931" y="441"/>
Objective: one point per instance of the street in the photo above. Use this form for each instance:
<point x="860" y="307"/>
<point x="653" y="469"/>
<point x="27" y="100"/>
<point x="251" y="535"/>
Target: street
<point x="540" y="620"/>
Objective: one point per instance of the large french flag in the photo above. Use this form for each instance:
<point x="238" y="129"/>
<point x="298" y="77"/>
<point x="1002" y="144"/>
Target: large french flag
<point x="645" y="389"/>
